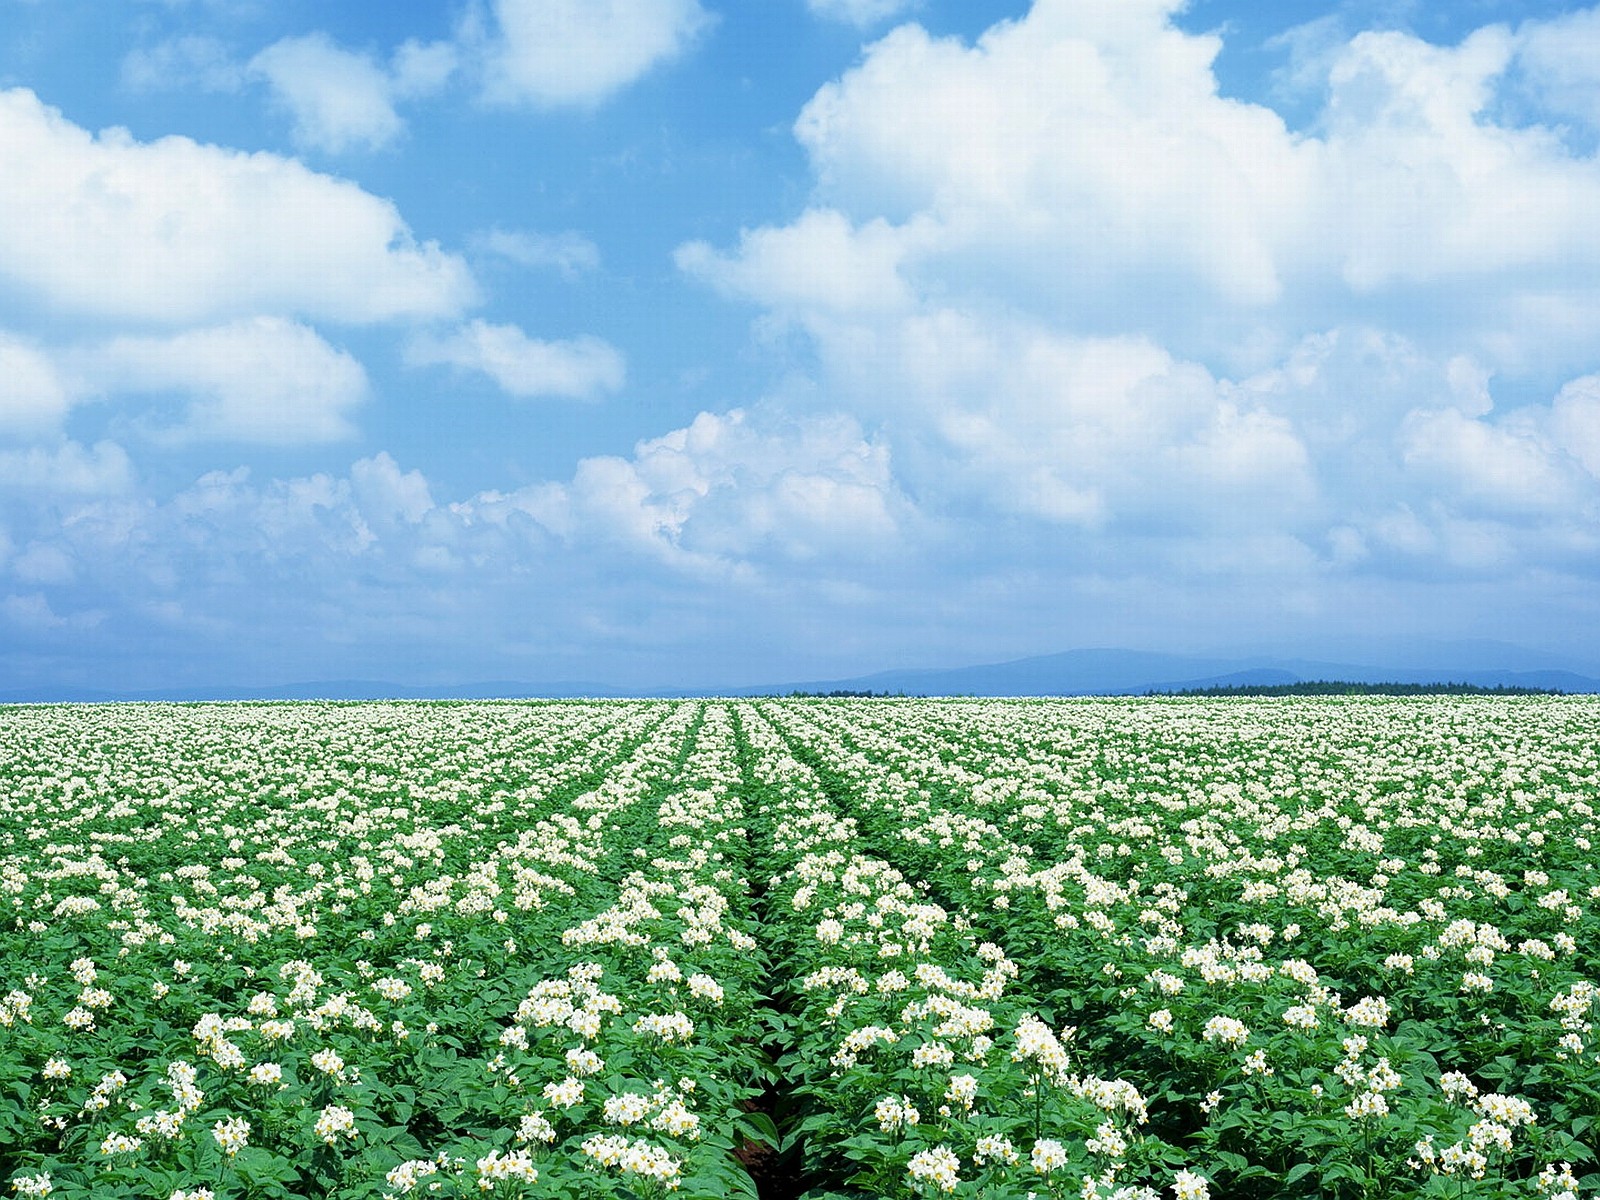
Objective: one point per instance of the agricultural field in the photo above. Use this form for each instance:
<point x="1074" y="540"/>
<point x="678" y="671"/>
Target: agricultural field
<point x="1096" y="948"/>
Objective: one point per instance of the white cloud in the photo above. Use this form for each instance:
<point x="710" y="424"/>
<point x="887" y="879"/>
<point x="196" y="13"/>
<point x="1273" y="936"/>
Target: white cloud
<point x="31" y="611"/>
<point x="67" y="469"/>
<point x="1079" y="164"/>
<point x="1495" y="469"/>
<point x="43" y="563"/>
<point x="339" y="100"/>
<point x="1560" y="60"/>
<point x="175" y="231"/>
<point x="1575" y="421"/>
<point x="729" y="492"/>
<point x="579" y="368"/>
<point x="861" y="13"/>
<point x="819" y="263"/>
<point x="422" y="68"/>
<point x="570" y="253"/>
<point x="554" y="53"/>
<point x="190" y="60"/>
<point x="387" y="494"/>
<point x="1082" y="287"/>
<point x="33" y="398"/>
<point x="262" y="380"/>
<point x="1082" y="145"/>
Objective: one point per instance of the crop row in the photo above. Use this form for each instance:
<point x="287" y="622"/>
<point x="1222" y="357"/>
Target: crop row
<point x="1099" y="948"/>
<point x="1376" y="970"/>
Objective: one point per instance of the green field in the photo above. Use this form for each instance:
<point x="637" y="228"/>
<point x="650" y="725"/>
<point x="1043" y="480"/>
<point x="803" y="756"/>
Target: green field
<point x="1342" y="946"/>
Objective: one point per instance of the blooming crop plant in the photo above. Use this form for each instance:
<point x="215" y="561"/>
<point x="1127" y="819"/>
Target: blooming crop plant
<point x="1091" y="948"/>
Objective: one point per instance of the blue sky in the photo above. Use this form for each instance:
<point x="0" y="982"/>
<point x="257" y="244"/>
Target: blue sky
<point x="689" y="342"/>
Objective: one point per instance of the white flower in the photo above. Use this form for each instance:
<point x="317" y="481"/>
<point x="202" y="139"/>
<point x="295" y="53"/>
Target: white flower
<point x="1230" y="1030"/>
<point x="703" y="987"/>
<point x="516" y="1167"/>
<point x="534" y="1128"/>
<point x="1367" y="1106"/>
<point x="1371" y="1012"/>
<point x="334" y="1120"/>
<point x="329" y="1063"/>
<point x="408" y="1174"/>
<point x="675" y="1120"/>
<point x="627" y="1109"/>
<point x="963" y="1090"/>
<point x="1255" y="1063"/>
<point x="938" y="1166"/>
<point x="80" y="1019"/>
<point x="669" y="1027"/>
<point x="566" y="1093"/>
<point x="231" y="1134"/>
<point x="1048" y="1154"/>
<point x="895" y="1113"/>
<point x="995" y="1149"/>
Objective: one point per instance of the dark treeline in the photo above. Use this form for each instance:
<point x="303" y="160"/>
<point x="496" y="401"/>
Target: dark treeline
<point x="846" y="693"/>
<point x="1326" y="687"/>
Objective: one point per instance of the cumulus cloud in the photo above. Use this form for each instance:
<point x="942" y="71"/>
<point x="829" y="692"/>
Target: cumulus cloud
<point x="790" y="510"/>
<point x="43" y="563"/>
<point x="1085" y="288"/>
<point x="727" y="495"/>
<point x="338" y="99"/>
<point x="1560" y="63"/>
<point x="263" y="380"/>
<point x="1080" y="164"/>
<point x="821" y="263"/>
<point x="34" y="613"/>
<point x="422" y="68"/>
<point x="861" y="13"/>
<point x="556" y="53"/>
<point x="173" y="231"/>
<point x="341" y="100"/>
<point x="1575" y="421"/>
<point x="389" y="495"/>
<point x="1490" y="469"/>
<point x="66" y="469"/>
<point x="192" y="60"/>
<point x="570" y="253"/>
<point x="578" y="368"/>
<point x="33" y="398"/>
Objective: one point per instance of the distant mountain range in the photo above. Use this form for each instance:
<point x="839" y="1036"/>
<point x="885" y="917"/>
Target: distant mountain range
<point x="1103" y="672"/>
<point x="1133" y="672"/>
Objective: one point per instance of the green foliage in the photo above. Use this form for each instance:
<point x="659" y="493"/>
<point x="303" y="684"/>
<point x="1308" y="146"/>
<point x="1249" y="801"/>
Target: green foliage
<point x="824" y="947"/>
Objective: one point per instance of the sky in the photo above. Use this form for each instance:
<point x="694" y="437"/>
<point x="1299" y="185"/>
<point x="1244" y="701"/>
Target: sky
<point x="712" y="342"/>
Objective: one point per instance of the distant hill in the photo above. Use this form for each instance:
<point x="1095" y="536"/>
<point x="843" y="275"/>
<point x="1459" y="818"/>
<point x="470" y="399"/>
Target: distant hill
<point x="1093" y="672"/>
<point x="1337" y="687"/>
<point x="339" y="689"/>
<point x="1133" y="672"/>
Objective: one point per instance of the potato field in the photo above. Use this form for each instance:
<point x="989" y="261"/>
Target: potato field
<point x="1128" y="948"/>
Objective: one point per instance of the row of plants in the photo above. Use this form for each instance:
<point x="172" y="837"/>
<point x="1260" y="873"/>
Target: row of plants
<point x="914" y="1065"/>
<point x="1119" y="948"/>
<point x="345" y="986"/>
<point x="1321" y="983"/>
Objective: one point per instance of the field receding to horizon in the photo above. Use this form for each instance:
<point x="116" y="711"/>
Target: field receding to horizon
<point x="1129" y="948"/>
